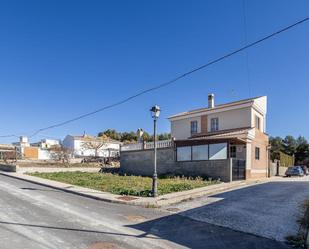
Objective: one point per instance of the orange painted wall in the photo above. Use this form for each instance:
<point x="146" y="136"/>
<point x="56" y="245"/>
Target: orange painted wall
<point x="31" y="152"/>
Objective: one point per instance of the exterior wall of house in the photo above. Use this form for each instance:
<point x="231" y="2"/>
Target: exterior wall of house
<point x="255" y="113"/>
<point x="31" y="152"/>
<point x="181" y="129"/>
<point x="48" y="143"/>
<point x="232" y="119"/>
<point x="78" y="149"/>
<point x="259" y="168"/>
<point x="140" y="162"/>
<point x="237" y="118"/>
<point x="44" y="154"/>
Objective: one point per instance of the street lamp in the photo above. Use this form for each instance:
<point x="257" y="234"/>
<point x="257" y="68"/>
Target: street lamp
<point x="155" y="113"/>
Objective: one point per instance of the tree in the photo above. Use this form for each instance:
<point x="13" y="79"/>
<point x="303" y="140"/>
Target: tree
<point x="60" y="153"/>
<point x="290" y="145"/>
<point x="128" y="136"/>
<point x="302" y="151"/>
<point x="164" y="136"/>
<point x="94" y="144"/>
<point x="276" y="144"/>
<point x="111" y="133"/>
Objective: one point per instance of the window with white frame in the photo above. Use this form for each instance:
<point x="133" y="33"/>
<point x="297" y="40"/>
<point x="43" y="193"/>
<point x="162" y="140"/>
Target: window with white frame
<point x="193" y="127"/>
<point x="257" y="122"/>
<point x="214" y="124"/>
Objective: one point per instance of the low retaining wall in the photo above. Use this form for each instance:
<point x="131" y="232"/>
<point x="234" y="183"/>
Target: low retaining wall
<point x="140" y="162"/>
<point x="8" y="167"/>
<point x="273" y="169"/>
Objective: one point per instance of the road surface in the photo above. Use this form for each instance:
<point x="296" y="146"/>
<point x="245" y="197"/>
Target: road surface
<point x="270" y="210"/>
<point x="37" y="217"/>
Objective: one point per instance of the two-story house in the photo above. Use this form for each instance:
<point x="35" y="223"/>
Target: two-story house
<point x="234" y="130"/>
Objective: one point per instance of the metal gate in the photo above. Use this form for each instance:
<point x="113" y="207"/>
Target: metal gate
<point x="238" y="169"/>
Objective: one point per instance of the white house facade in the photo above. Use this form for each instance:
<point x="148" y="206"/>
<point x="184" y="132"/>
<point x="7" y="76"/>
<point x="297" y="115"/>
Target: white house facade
<point x="88" y="146"/>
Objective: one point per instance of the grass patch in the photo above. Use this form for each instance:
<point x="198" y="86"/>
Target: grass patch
<point x="125" y="185"/>
<point x="297" y="241"/>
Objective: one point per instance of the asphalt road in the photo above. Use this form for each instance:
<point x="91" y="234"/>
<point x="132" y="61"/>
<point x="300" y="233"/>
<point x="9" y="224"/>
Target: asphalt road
<point x="271" y="209"/>
<point x="35" y="217"/>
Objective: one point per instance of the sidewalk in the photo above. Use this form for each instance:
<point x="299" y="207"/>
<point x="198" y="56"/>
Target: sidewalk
<point x="163" y="200"/>
<point x="56" y="169"/>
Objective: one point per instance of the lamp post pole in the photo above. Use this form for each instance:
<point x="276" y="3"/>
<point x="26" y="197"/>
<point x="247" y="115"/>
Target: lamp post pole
<point x="155" y="113"/>
<point x="155" y="176"/>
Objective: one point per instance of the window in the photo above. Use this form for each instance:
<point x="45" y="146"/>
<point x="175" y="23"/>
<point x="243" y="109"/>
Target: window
<point x="214" y="124"/>
<point x="193" y="127"/>
<point x="184" y="153"/>
<point x="217" y="151"/>
<point x="257" y="122"/>
<point x="200" y="152"/>
<point x="233" y="151"/>
<point x="257" y="153"/>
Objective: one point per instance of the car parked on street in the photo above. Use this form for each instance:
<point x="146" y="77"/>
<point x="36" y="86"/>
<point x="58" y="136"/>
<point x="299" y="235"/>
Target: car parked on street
<point x="305" y="169"/>
<point x="294" y="171"/>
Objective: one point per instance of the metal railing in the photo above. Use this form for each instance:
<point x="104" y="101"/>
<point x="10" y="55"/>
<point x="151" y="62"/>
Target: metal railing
<point x="147" y="145"/>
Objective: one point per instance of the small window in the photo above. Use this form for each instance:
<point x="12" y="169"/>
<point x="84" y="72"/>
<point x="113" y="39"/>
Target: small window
<point x="214" y="124"/>
<point x="233" y="151"/>
<point x="193" y="127"/>
<point x="184" y="153"/>
<point x="257" y="153"/>
<point x="257" y="122"/>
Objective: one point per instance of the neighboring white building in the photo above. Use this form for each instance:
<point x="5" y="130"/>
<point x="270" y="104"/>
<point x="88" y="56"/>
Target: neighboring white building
<point x="85" y="146"/>
<point x="46" y="143"/>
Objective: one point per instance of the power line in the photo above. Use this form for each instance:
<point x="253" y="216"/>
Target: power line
<point x="164" y="84"/>
<point x="7" y="136"/>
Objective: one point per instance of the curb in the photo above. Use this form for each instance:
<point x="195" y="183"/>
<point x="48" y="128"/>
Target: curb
<point x="64" y="189"/>
<point x="163" y="200"/>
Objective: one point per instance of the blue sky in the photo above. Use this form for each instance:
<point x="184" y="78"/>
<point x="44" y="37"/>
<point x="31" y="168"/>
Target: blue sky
<point x="60" y="59"/>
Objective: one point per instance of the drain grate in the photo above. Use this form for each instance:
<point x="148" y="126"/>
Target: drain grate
<point x="135" y="218"/>
<point x="127" y="198"/>
<point x="173" y="209"/>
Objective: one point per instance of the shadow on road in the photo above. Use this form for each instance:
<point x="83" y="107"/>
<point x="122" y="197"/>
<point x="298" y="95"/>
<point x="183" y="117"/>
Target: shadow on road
<point x="235" y="217"/>
<point x="75" y="229"/>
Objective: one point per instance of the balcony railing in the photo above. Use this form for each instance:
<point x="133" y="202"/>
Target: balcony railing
<point x="147" y="145"/>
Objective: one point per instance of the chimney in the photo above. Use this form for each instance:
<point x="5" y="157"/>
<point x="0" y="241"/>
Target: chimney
<point x="211" y="100"/>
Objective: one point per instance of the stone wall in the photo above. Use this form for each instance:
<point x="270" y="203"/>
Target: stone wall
<point x="8" y="167"/>
<point x="141" y="163"/>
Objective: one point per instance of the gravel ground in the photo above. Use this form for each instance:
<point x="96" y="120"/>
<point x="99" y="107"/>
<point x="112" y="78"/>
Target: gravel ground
<point x="269" y="210"/>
